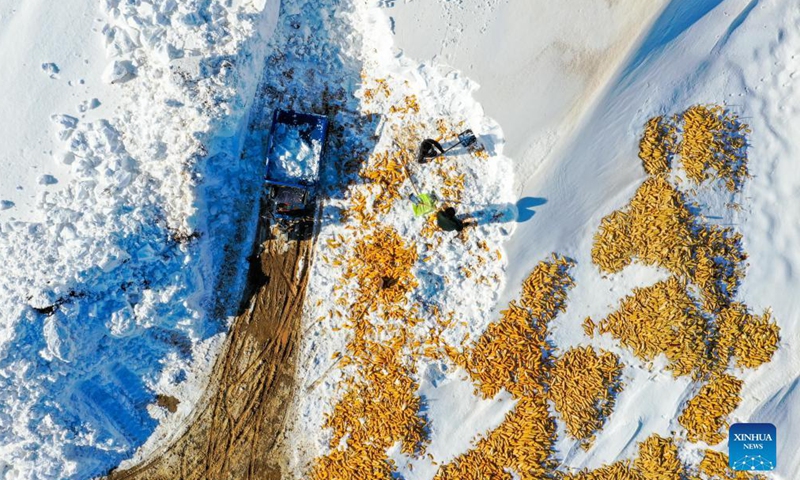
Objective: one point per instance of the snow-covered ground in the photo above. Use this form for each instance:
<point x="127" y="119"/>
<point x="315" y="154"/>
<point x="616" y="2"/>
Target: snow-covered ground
<point x="580" y="155"/>
<point x="49" y="67"/>
<point x="742" y="54"/>
<point x="126" y="213"/>
<point x="123" y="189"/>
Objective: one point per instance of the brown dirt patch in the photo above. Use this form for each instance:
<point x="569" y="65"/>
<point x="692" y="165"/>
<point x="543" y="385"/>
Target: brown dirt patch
<point x="168" y="402"/>
<point x="237" y="429"/>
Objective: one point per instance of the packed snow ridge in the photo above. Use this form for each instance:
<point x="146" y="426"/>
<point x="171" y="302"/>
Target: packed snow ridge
<point x="121" y="291"/>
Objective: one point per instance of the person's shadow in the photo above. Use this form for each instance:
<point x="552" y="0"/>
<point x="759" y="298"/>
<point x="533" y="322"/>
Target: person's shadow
<point x="519" y="212"/>
<point x="525" y="207"/>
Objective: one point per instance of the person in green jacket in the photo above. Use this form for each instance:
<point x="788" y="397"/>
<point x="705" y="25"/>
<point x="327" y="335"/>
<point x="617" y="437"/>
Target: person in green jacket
<point x="425" y="204"/>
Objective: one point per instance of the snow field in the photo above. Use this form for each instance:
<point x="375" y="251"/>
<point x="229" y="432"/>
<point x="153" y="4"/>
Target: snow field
<point x="735" y="52"/>
<point x="49" y="67"/>
<point x="119" y="290"/>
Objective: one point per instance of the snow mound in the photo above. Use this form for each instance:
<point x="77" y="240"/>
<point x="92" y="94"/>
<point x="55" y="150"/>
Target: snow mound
<point x="292" y="157"/>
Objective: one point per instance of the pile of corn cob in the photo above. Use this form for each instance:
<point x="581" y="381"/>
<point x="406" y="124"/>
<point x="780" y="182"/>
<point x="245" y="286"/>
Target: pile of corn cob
<point x="663" y="318"/>
<point x="657" y="145"/>
<point x="658" y="459"/>
<point x="750" y="339"/>
<point x="715" y="466"/>
<point x="379" y="409"/>
<point x="714" y="139"/>
<point x="523" y="443"/>
<point x="381" y="266"/>
<point x="705" y="414"/>
<point x="583" y="387"/>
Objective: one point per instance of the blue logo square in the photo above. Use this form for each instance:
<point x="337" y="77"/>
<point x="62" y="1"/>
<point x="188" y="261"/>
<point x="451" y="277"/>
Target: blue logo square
<point x="752" y="446"/>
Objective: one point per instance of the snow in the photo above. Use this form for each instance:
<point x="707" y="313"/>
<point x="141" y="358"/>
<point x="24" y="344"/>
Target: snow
<point x="120" y="201"/>
<point x="582" y="160"/>
<point x="449" y="395"/>
<point x="572" y="92"/>
<point x="118" y="71"/>
<point x="292" y="157"/>
<point x="49" y="66"/>
<point x="537" y="62"/>
<point x="51" y="69"/>
<point x="128" y="173"/>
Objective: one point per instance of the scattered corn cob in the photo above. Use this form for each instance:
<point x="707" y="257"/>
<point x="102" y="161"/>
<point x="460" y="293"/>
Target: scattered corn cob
<point x="714" y="139"/>
<point x="714" y="466"/>
<point x="658" y="459"/>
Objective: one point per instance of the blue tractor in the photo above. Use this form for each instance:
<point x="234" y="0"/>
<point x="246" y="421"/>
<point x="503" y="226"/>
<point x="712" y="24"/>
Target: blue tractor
<point x="295" y="149"/>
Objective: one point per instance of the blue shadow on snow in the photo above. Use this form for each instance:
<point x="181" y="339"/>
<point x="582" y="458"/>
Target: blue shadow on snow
<point x="676" y="18"/>
<point x="525" y="207"/>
